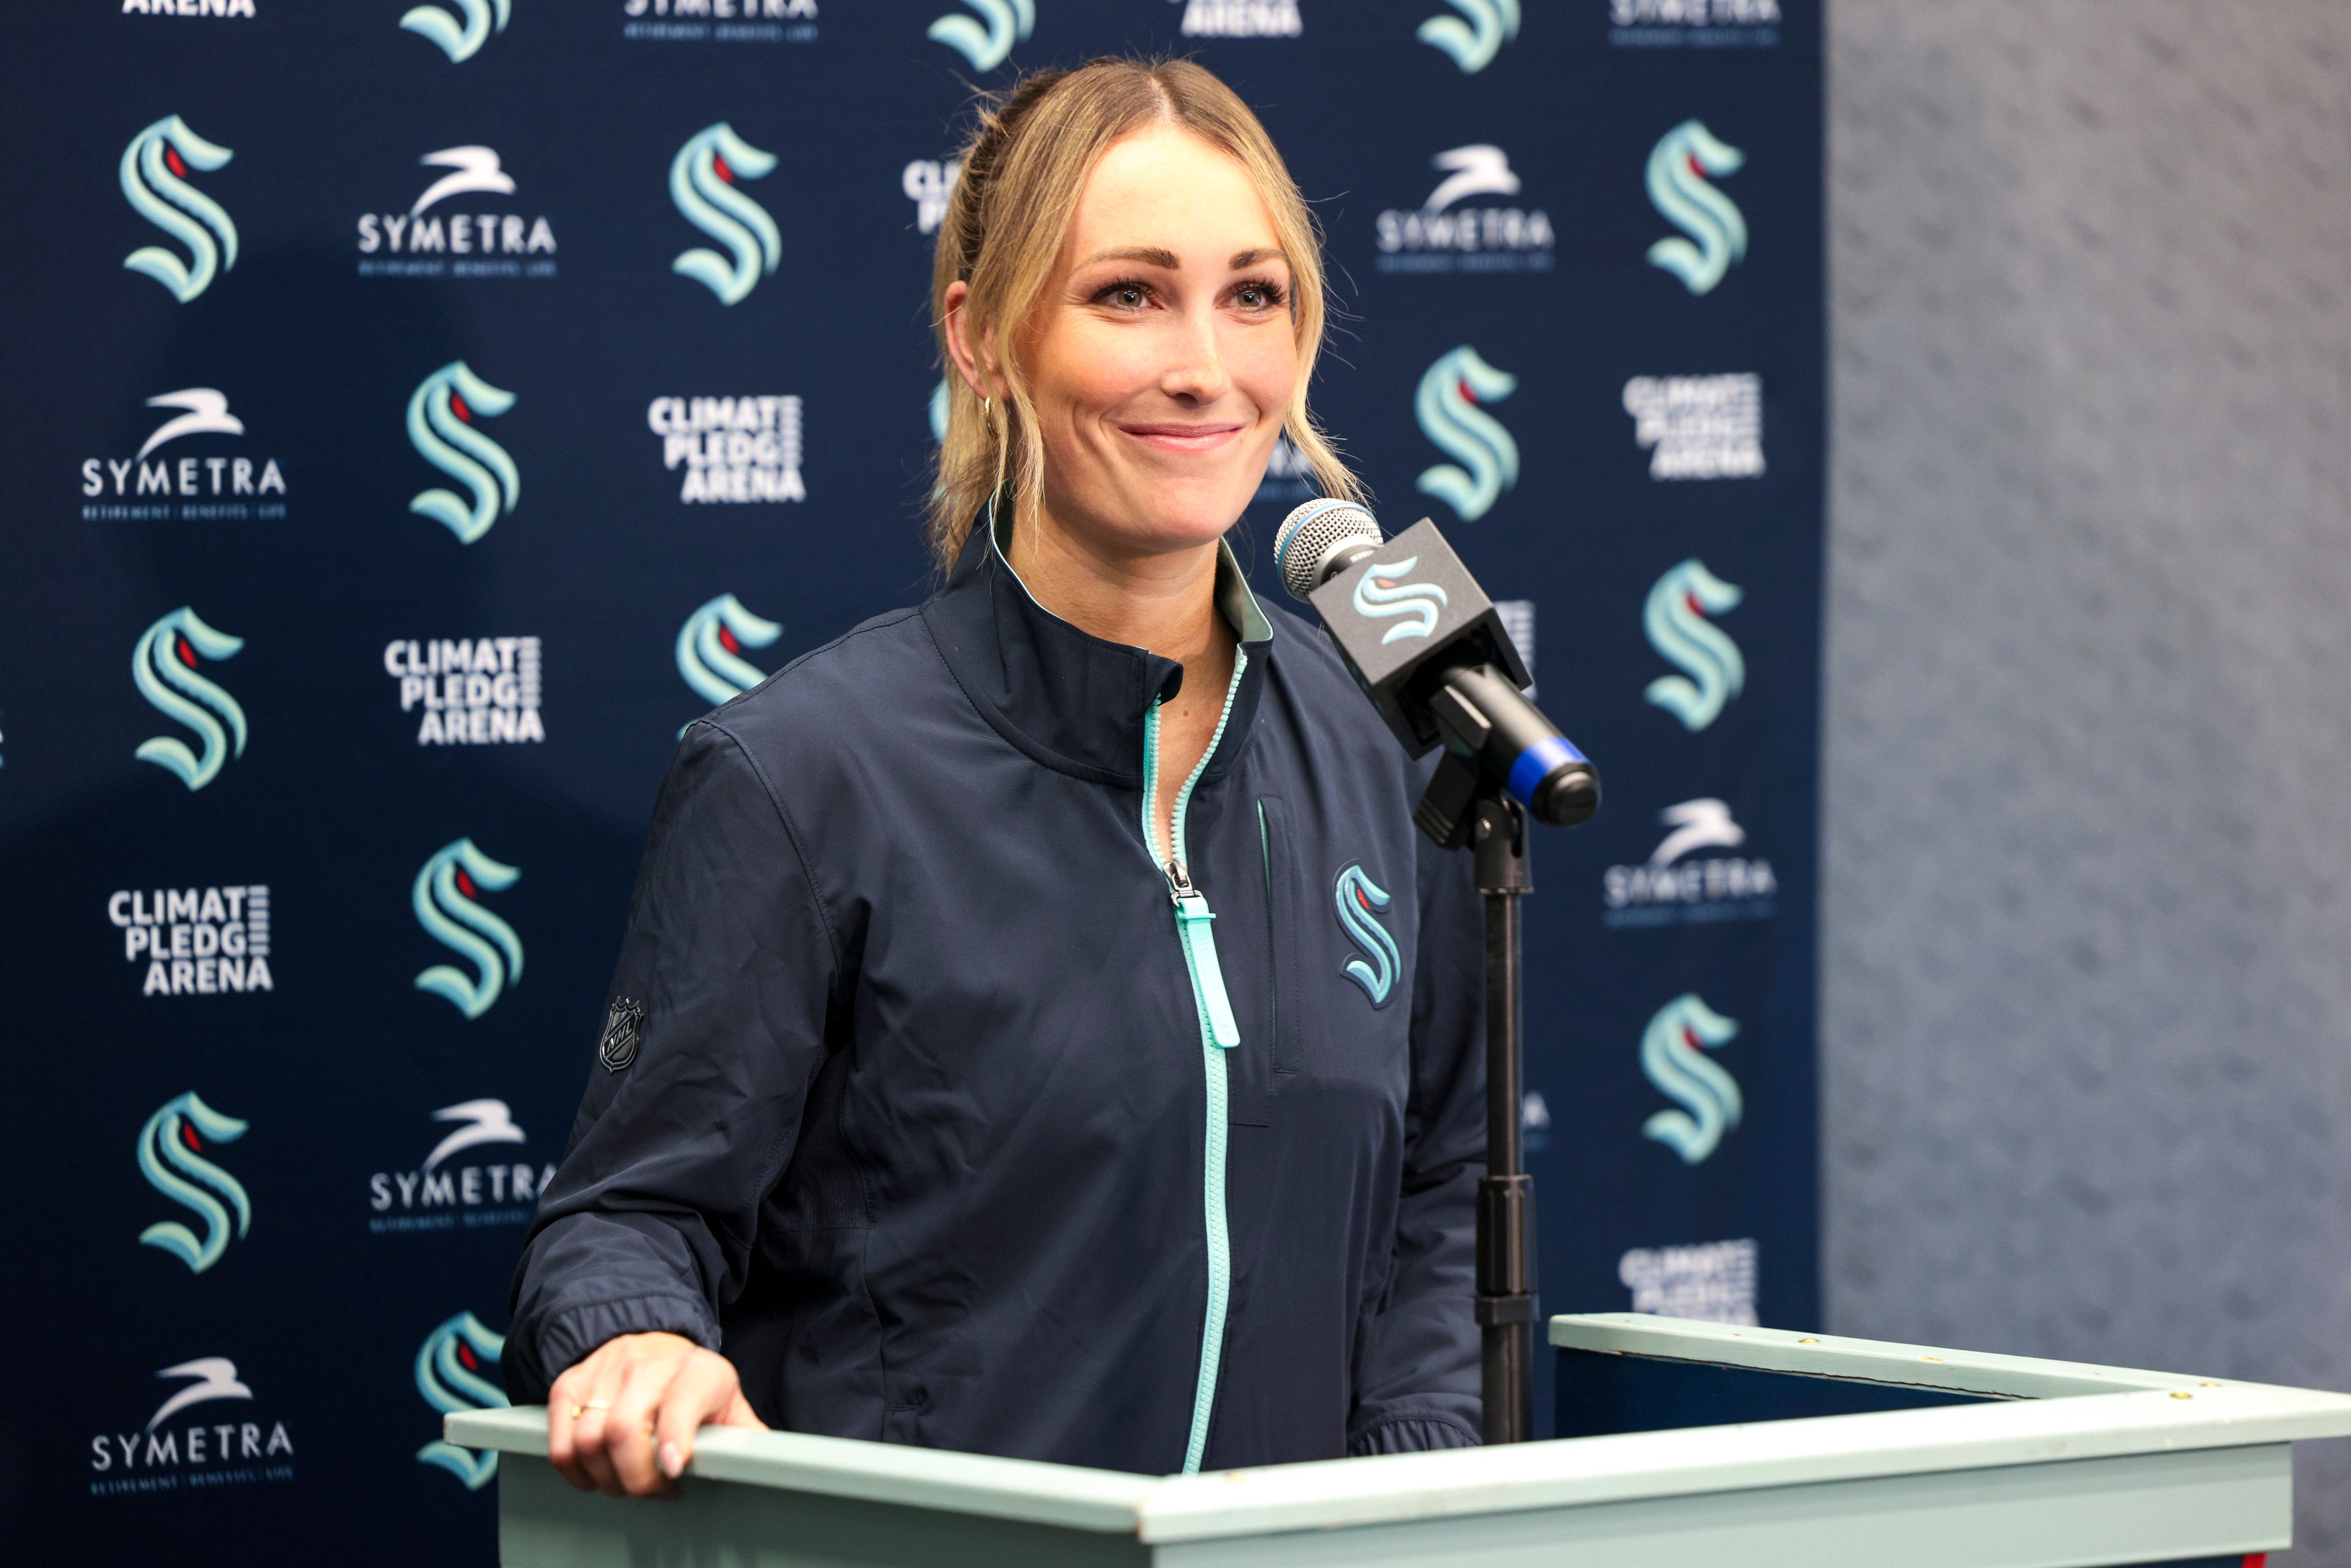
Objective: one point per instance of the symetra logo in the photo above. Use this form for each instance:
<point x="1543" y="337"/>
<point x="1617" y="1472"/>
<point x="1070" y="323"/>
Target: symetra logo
<point x="1693" y="23"/>
<point x="928" y="183"/>
<point x="196" y="941"/>
<point x="461" y="36"/>
<point x="986" y="46"/>
<point x="1382" y="591"/>
<point x="737" y="449"/>
<point x="479" y="236"/>
<point x="1288" y="478"/>
<point x="702" y="183"/>
<point x="182" y="487"/>
<point x="1675" y="618"/>
<point x="719" y="21"/>
<point x="1241" y="19"/>
<point x="172" y="1157"/>
<point x="1680" y="883"/>
<point x="203" y="1451"/>
<point x="1448" y="407"/>
<point x="1673" y="1055"/>
<point x="1712" y="1281"/>
<point x="1698" y="427"/>
<point x="1678" y="167"/>
<point x="446" y="1193"/>
<point x="480" y="691"/>
<point x="443" y="897"/>
<point x="453" y="1368"/>
<point x="1452" y="233"/>
<point x="1474" y="37"/>
<point x="163" y="667"/>
<point x="710" y="649"/>
<point x="441" y="414"/>
<point x="155" y="182"/>
<point x="1360" y="901"/>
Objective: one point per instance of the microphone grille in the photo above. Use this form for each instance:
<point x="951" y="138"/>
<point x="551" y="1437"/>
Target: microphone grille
<point x="1306" y="535"/>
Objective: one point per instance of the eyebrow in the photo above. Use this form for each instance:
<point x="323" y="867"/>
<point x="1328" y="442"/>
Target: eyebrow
<point x="1153" y="255"/>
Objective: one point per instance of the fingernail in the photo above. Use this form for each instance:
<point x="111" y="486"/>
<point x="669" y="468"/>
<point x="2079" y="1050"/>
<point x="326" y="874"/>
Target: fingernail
<point x="672" y="1462"/>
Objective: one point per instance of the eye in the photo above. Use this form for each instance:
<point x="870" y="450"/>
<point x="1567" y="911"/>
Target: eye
<point x="1260" y="294"/>
<point x="1126" y="294"/>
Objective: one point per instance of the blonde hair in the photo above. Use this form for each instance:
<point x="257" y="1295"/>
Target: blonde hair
<point x="1011" y="209"/>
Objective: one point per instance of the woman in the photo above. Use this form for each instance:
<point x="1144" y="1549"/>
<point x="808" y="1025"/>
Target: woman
<point x="988" y="1065"/>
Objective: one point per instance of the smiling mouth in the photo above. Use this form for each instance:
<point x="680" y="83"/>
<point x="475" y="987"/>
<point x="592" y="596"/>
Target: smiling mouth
<point x="1182" y="437"/>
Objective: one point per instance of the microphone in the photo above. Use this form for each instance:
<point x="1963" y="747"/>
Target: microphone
<point x="1429" y="648"/>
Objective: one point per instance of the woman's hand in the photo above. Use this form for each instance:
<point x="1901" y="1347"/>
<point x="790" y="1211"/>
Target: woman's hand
<point x="622" y="1419"/>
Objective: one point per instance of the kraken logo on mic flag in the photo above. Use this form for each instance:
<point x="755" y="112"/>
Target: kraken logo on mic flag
<point x="702" y="183"/>
<point x="163" y="667"/>
<point x="1009" y="22"/>
<point x="1360" y="901"/>
<point x="459" y="39"/>
<point x="710" y="649"/>
<point x="1473" y="43"/>
<point x="1673" y="1055"/>
<point x="1447" y="405"/>
<point x="1381" y="592"/>
<point x="1714" y="671"/>
<point x="172" y="1157"/>
<point x="155" y="181"/>
<point x="453" y="1368"/>
<point x="441" y="414"/>
<point x="443" y="897"/>
<point x="1678" y="167"/>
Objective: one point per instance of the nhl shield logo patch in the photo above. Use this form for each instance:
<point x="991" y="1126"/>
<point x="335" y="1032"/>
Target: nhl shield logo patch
<point x="624" y="1026"/>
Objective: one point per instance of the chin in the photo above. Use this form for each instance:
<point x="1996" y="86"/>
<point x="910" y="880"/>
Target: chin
<point x="1183" y="513"/>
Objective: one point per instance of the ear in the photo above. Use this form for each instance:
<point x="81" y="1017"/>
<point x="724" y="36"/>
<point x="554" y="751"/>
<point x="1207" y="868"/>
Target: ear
<point x="974" y="361"/>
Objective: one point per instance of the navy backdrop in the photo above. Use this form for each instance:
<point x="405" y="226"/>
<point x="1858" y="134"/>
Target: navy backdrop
<point x="374" y="524"/>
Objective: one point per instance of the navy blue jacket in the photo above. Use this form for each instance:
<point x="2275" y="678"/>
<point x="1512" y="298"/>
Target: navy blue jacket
<point x="934" y="1087"/>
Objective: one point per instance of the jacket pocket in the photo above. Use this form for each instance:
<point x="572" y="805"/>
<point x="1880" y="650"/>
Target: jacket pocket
<point x="1278" y="855"/>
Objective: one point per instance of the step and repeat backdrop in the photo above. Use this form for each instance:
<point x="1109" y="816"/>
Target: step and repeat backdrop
<point x="421" y="411"/>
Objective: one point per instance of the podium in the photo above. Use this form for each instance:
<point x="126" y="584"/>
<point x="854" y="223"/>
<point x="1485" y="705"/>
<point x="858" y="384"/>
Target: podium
<point x="2007" y="1462"/>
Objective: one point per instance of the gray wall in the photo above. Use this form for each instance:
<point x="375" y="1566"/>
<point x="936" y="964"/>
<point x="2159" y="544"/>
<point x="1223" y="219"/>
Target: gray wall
<point x="2087" y="1008"/>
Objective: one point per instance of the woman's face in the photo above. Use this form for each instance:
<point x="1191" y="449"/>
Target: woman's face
<point x="1162" y="358"/>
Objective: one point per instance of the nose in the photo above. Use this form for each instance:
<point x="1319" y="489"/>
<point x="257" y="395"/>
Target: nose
<point x="1194" y="372"/>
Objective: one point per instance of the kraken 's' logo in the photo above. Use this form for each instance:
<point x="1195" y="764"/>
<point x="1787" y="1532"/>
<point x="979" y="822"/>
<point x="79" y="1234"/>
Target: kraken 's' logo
<point x="1360" y="901"/>
<point x="444" y="900"/>
<point x="1675" y="621"/>
<point x="1678" y="167"/>
<point x="1673" y="1054"/>
<point x="154" y="181"/>
<point x="1473" y="43"/>
<point x="702" y="183"/>
<point x="1009" y="22"/>
<point x="460" y="40"/>
<point x="163" y="666"/>
<point x="452" y="1367"/>
<point x="1447" y="405"/>
<point x="710" y="649"/>
<point x="441" y="414"/>
<point x="172" y="1157"/>
<point x="1381" y="592"/>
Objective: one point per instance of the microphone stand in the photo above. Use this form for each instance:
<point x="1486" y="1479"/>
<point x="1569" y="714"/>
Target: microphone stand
<point x="1506" y="1301"/>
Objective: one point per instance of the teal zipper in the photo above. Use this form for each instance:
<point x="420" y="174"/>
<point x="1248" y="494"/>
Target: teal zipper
<point x="1218" y="1033"/>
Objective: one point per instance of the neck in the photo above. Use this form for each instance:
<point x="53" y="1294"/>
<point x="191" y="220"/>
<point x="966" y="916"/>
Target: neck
<point x="1163" y="600"/>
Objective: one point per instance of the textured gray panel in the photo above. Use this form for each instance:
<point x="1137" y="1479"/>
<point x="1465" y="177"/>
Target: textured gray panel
<point x="2086" y="1008"/>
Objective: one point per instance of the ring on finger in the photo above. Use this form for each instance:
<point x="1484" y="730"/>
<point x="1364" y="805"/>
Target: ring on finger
<point x="590" y="1404"/>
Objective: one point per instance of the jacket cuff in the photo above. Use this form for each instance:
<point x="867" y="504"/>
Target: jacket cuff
<point x="571" y="1335"/>
<point x="1412" y="1432"/>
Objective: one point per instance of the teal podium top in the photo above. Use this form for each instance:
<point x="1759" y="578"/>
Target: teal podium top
<point x="2036" y="1464"/>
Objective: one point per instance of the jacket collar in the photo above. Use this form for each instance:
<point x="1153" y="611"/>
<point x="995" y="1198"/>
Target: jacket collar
<point x="1067" y="699"/>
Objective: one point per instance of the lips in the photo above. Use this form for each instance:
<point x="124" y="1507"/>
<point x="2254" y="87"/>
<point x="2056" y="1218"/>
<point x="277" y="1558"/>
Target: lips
<point x="1169" y="438"/>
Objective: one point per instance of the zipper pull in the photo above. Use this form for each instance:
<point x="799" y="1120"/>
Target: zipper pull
<point x="1193" y="920"/>
<point x="1179" y="883"/>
